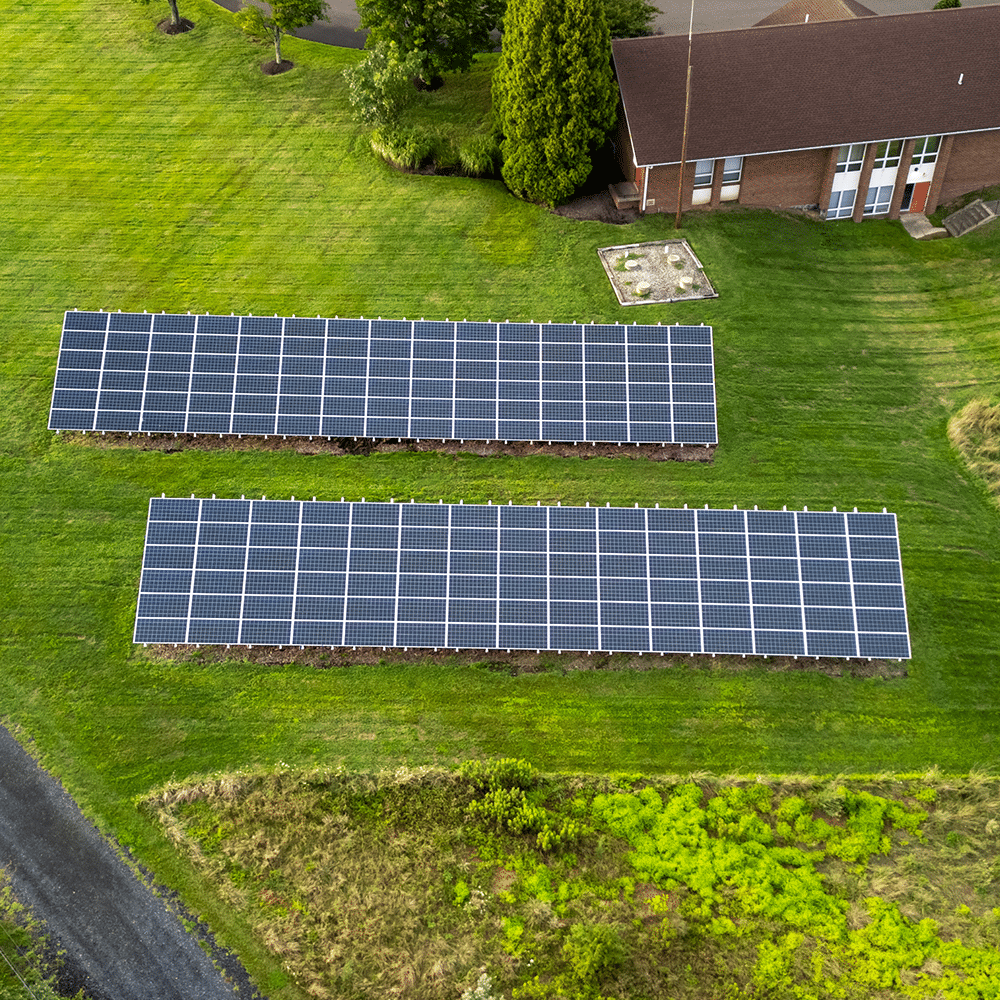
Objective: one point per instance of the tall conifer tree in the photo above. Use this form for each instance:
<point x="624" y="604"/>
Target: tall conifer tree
<point x="554" y="95"/>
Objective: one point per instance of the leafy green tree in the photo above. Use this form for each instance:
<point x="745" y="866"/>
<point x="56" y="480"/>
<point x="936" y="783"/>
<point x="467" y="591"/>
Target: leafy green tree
<point x="630" y="18"/>
<point x="448" y="33"/>
<point x="284" y="17"/>
<point x="946" y="4"/>
<point x="554" y="95"/>
<point x="380" y="87"/>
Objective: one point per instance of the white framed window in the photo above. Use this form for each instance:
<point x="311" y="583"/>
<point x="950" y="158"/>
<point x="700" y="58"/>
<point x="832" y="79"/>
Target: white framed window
<point x="925" y="150"/>
<point x="878" y="198"/>
<point x="887" y="154"/>
<point x="732" y="170"/>
<point x="704" y="170"/>
<point x="841" y="204"/>
<point x="850" y="158"/>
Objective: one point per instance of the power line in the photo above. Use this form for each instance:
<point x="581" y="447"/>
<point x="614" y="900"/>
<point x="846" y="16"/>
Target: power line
<point x="17" y="974"/>
<point x="11" y="964"/>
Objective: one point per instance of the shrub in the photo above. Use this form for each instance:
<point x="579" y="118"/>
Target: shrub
<point x="506" y="772"/>
<point x="380" y="87"/>
<point x="593" y="948"/>
<point x="409" y="148"/>
<point x="479" y="156"/>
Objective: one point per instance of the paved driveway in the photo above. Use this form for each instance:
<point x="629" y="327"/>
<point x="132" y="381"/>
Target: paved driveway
<point x="709" y="15"/>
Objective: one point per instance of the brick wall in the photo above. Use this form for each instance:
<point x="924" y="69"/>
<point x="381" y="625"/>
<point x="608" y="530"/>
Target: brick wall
<point x="622" y="142"/>
<point x="784" y="180"/>
<point x="974" y="163"/>
<point x="779" y="180"/>
<point x="661" y="194"/>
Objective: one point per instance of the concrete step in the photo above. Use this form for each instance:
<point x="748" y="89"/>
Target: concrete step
<point x="919" y="227"/>
<point x="974" y="215"/>
<point x="625" y="194"/>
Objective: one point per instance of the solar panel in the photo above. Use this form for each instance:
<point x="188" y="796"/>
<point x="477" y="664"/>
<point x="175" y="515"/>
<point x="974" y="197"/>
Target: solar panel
<point x="796" y="583"/>
<point x="140" y="372"/>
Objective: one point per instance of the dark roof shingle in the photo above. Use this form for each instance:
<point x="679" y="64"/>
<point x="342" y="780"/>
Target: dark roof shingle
<point x="799" y="11"/>
<point x="802" y="86"/>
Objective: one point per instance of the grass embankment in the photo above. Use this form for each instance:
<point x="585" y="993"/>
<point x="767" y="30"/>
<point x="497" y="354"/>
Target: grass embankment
<point x="418" y="884"/>
<point x="167" y="173"/>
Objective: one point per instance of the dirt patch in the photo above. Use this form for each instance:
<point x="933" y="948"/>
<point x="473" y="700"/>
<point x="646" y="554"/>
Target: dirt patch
<point x="170" y="443"/>
<point x="597" y="206"/>
<point x="273" y="68"/>
<point x="170" y="27"/>
<point x="516" y="661"/>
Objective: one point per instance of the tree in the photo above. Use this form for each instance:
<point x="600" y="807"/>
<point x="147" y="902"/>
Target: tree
<point x="285" y="17"/>
<point x="448" y="32"/>
<point x="629" y="18"/>
<point x="946" y="4"/>
<point x="554" y="95"/>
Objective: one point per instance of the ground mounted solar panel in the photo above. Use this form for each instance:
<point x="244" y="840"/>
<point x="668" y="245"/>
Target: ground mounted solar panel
<point x="360" y="378"/>
<point x="315" y="573"/>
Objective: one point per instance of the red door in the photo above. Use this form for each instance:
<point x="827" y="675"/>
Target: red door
<point x="919" y="198"/>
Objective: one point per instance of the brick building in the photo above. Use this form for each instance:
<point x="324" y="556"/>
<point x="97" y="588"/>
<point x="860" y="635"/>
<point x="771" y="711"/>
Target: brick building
<point x="845" y="113"/>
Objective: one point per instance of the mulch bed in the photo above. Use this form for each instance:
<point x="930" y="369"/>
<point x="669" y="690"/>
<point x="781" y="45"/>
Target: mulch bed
<point x="273" y="68"/>
<point x="169" y="28"/>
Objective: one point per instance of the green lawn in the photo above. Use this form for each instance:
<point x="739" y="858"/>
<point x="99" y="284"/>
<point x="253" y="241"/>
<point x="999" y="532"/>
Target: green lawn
<point x="167" y="173"/>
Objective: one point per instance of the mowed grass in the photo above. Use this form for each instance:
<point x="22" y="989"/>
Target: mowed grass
<point x="167" y="173"/>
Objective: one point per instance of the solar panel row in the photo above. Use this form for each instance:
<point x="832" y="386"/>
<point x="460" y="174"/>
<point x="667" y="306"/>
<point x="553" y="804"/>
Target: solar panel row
<point x="472" y="576"/>
<point x="139" y="372"/>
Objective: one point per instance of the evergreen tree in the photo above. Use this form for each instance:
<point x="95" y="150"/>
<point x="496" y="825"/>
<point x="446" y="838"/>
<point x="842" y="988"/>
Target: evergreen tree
<point x="554" y="95"/>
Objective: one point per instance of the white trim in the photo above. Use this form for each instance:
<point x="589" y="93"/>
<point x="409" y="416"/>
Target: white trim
<point x="806" y="149"/>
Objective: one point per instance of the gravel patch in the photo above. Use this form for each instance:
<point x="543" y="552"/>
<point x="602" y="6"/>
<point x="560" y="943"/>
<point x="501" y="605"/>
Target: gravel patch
<point x="664" y="271"/>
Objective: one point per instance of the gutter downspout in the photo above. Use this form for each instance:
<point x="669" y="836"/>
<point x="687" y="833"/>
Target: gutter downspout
<point x="645" y="189"/>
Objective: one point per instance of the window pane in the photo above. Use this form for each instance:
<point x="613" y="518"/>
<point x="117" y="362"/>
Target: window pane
<point x="732" y="170"/>
<point x="703" y="170"/>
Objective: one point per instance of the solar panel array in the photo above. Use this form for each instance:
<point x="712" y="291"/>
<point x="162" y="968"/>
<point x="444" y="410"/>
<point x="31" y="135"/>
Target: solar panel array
<point x="385" y="378"/>
<point x="270" y="572"/>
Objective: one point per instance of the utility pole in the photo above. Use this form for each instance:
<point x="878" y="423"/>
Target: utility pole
<point x="684" y="137"/>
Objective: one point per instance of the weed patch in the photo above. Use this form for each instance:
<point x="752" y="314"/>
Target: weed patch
<point x="430" y="883"/>
<point x="975" y="432"/>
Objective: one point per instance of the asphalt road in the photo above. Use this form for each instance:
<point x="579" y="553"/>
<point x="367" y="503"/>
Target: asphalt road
<point x="120" y="939"/>
<point x="341" y="22"/>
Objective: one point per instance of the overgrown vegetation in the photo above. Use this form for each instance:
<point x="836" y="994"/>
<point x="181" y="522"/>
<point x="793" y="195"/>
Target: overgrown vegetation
<point x="975" y="432"/>
<point x="421" y="883"/>
<point x="29" y="962"/>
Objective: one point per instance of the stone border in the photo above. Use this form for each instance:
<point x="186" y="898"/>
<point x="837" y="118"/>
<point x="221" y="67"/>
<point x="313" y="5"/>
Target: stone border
<point x="641" y="274"/>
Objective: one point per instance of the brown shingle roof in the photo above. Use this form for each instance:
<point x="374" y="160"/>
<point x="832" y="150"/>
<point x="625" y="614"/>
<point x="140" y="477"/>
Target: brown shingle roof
<point x="802" y="86"/>
<point x="798" y="11"/>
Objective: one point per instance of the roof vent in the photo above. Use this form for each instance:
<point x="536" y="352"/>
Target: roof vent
<point x="960" y="77"/>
